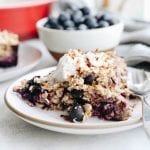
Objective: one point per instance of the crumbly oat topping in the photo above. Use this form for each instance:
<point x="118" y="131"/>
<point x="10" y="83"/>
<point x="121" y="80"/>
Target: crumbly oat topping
<point x="8" y="38"/>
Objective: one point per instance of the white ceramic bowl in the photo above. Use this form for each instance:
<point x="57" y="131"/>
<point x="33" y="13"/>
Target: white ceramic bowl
<point x="59" y="41"/>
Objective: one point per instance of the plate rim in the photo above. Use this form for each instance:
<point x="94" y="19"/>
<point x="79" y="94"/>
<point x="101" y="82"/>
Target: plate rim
<point x="64" y="125"/>
<point x="76" y="131"/>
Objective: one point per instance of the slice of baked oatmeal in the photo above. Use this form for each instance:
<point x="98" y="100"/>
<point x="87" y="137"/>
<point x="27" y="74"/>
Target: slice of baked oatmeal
<point x="8" y="49"/>
<point x="84" y="84"/>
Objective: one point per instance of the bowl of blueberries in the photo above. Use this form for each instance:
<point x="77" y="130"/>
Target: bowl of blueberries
<point x="79" y="29"/>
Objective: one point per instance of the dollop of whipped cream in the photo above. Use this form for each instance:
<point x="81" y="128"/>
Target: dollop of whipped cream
<point x="75" y="60"/>
<point x="65" y="68"/>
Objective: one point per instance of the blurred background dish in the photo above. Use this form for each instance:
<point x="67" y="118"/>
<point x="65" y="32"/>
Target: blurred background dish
<point x="28" y="58"/>
<point x="9" y="43"/>
<point x="20" y="16"/>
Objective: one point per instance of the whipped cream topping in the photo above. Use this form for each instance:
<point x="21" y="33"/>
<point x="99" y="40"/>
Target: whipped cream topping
<point x="75" y="60"/>
<point x="65" y="68"/>
<point x="8" y="38"/>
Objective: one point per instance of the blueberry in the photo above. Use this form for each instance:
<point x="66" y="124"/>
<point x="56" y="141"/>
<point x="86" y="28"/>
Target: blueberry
<point x="68" y="24"/>
<point x="89" y="79"/>
<point x="70" y="28"/>
<point x="111" y="22"/>
<point x="53" y="23"/>
<point x="105" y="17"/>
<point x="91" y="22"/>
<point x="85" y="10"/>
<point x="57" y="26"/>
<point x="27" y="96"/>
<point x="24" y="90"/>
<point x="30" y="82"/>
<point x="98" y="16"/>
<point x="47" y="25"/>
<point x="82" y="27"/>
<point x="107" y="108"/>
<point x="76" y="113"/>
<point x="77" y="16"/>
<point x="77" y="94"/>
<point x="103" y="24"/>
<point x="36" y="89"/>
<point x="71" y="7"/>
<point x="32" y="95"/>
<point x="69" y="11"/>
<point x="63" y="17"/>
<point x="81" y="101"/>
<point x="52" y="20"/>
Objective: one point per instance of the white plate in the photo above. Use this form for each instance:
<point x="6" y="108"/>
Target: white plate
<point x="28" y="57"/>
<point x="51" y="120"/>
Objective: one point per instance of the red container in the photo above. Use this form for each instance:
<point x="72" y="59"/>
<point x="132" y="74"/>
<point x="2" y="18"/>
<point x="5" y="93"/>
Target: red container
<point x="21" y="17"/>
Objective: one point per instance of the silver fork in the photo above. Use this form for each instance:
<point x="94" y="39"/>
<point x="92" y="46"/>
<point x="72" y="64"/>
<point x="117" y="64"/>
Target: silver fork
<point x="139" y="83"/>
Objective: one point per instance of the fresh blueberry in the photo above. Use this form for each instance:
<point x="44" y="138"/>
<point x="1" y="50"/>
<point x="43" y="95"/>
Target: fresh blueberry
<point x="53" y="23"/>
<point x="68" y="24"/>
<point x="47" y="25"/>
<point x="77" y="94"/>
<point x="77" y="17"/>
<point x="76" y="113"/>
<point x="85" y="10"/>
<point x="70" y="28"/>
<point x="57" y="26"/>
<point x="98" y="16"/>
<point x="52" y="20"/>
<point x="82" y="27"/>
<point x="91" y="22"/>
<point x="69" y="11"/>
<point x="63" y="17"/>
<point x="105" y="17"/>
<point x="89" y="79"/>
<point x="71" y="7"/>
<point x="111" y="22"/>
<point x="103" y="24"/>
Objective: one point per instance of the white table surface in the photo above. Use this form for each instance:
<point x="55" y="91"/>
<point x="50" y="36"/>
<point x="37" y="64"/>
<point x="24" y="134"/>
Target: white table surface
<point x="15" y="134"/>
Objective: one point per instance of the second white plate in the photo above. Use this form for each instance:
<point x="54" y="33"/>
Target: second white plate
<point x="28" y="57"/>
